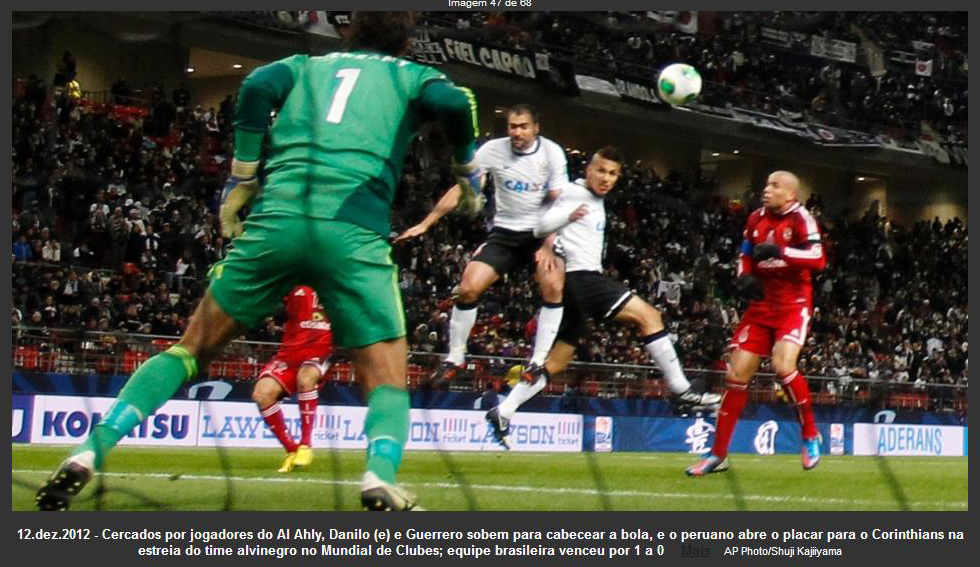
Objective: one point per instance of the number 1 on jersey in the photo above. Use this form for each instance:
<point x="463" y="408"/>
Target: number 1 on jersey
<point x="347" y="79"/>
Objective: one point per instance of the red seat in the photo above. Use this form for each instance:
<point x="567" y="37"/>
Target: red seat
<point x="132" y="359"/>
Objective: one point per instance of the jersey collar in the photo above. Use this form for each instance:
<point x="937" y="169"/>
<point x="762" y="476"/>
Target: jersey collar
<point x="793" y="207"/>
<point x="581" y="183"/>
<point x="537" y="146"/>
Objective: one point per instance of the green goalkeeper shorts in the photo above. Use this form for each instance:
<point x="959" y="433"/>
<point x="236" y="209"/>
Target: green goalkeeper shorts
<point x="349" y="266"/>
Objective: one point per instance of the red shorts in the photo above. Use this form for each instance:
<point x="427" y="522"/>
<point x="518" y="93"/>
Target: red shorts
<point x="762" y="326"/>
<point x="284" y="368"/>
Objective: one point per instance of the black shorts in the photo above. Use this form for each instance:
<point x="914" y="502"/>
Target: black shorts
<point x="589" y="295"/>
<point x="505" y="248"/>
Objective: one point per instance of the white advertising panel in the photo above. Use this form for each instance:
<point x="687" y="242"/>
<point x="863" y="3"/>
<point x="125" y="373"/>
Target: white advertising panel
<point x="69" y="419"/>
<point x="238" y="424"/>
<point x="911" y="440"/>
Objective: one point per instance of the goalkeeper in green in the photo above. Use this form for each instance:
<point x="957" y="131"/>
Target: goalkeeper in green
<point x="321" y="218"/>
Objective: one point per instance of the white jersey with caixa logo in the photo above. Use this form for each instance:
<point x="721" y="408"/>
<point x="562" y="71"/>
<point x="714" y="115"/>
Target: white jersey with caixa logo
<point x="583" y="241"/>
<point x="521" y="179"/>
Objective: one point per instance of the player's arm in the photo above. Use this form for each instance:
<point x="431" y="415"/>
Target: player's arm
<point x="455" y="108"/>
<point x="808" y="254"/>
<point x="262" y="91"/>
<point x="566" y="210"/>
<point x="446" y="204"/>
<point x="746" y="284"/>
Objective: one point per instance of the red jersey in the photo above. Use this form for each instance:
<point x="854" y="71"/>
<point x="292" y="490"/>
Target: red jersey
<point x="307" y="327"/>
<point x="786" y="279"/>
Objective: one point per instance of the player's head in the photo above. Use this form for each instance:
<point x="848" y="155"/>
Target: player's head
<point x="387" y="32"/>
<point x="522" y="126"/>
<point x="782" y="187"/>
<point x="604" y="170"/>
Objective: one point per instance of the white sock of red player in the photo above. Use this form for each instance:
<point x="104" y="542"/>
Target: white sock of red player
<point x="307" y="413"/>
<point x="272" y="416"/>
<point x="460" y="324"/>
<point x="661" y="350"/>
<point x="549" y="319"/>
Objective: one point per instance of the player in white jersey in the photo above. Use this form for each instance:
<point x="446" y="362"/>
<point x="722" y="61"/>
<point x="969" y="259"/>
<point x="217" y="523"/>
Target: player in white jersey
<point x="579" y="216"/>
<point x="526" y="169"/>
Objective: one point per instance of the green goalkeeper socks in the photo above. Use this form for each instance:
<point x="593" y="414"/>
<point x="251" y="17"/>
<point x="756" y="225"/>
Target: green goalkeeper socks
<point x="386" y="427"/>
<point x="153" y="383"/>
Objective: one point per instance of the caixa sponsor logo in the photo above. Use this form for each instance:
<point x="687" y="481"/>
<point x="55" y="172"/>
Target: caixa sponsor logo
<point x="75" y="424"/>
<point x="519" y="186"/>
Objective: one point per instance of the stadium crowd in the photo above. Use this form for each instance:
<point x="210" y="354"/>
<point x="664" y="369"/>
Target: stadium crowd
<point x="742" y="68"/>
<point x="114" y="228"/>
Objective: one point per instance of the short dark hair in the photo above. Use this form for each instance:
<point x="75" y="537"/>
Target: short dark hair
<point x="387" y="32"/>
<point x="611" y="153"/>
<point x="522" y="108"/>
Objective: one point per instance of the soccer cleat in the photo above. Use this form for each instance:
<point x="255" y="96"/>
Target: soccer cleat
<point x="691" y="401"/>
<point x="66" y="482"/>
<point x="444" y="374"/>
<point x="379" y="496"/>
<point x="304" y="456"/>
<point x="533" y="373"/>
<point x="500" y="426"/>
<point x="708" y="464"/>
<point x="289" y="463"/>
<point x="811" y="453"/>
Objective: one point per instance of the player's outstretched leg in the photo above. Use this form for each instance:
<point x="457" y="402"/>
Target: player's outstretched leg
<point x="549" y="319"/>
<point x="153" y="383"/>
<point x="499" y="426"/>
<point x="382" y="367"/>
<point x="732" y="404"/>
<point x="796" y="387"/>
<point x="308" y="382"/>
<point x="266" y="395"/>
<point x="785" y="354"/>
<point x="532" y="381"/>
<point x="460" y="325"/>
<point x="658" y="346"/>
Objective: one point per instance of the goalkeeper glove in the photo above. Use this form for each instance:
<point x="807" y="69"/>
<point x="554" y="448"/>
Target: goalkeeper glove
<point x="749" y="287"/>
<point x="242" y="186"/>
<point x="765" y="251"/>
<point x="470" y="178"/>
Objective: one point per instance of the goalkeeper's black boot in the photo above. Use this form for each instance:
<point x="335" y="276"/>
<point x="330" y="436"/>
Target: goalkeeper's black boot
<point x="66" y="482"/>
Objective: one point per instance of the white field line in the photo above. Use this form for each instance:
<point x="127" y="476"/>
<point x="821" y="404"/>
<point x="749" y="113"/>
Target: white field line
<point x="860" y="503"/>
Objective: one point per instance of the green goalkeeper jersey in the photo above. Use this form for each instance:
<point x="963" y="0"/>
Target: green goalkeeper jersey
<point x="336" y="148"/>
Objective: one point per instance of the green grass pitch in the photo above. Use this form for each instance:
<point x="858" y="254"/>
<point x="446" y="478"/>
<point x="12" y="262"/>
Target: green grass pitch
<point x="140" y="478"/>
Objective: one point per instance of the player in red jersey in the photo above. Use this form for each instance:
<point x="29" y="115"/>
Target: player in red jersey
<point x="298" y="366"/>
<point x="781" y="247"/>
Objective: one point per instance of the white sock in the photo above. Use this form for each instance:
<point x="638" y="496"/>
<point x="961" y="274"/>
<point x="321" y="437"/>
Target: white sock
<point x="521" y="393"/>
<point x="549" y="319"/>
<point x="460" y="324"/>
<point x="661" y="350"/>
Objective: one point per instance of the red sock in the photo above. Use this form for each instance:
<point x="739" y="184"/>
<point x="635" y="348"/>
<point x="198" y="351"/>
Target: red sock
<point x="273" y="418"/>
<point x="307" y="413"/>
<point x="732" y="404"/>
<point x="796" y="387"/>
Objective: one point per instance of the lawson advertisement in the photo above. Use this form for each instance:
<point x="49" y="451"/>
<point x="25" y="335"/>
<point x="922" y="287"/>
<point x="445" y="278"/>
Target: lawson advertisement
<point x="45" y="419"/>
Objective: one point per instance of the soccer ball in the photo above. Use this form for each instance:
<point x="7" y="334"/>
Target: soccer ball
<point x="679" y="84"/>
